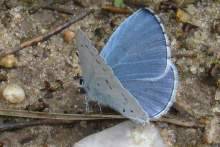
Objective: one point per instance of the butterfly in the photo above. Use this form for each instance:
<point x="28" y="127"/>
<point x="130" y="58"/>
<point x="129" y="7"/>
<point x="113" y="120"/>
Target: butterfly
<point x="134" y="73"/>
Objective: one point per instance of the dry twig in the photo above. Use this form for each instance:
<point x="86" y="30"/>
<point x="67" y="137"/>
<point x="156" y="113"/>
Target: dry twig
<point x="62" y="119"/>
<point x="20" y="125"/>
<point x="181" y="123"/>
<point x="44" y="37"/>
<point x="186" y="55"/>
<point x="113" y="9"/>
<point x="56" y="116"/>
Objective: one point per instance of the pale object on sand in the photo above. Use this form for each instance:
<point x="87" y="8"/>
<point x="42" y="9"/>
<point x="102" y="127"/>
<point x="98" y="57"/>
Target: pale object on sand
<point x="126" y="134"/>
<point x="13" y="93"/>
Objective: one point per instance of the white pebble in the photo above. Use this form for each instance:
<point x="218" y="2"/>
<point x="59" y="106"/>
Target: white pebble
<point x="193" y="70"/>
<point x="13" y="93"/>
<point x="126" y="134"/>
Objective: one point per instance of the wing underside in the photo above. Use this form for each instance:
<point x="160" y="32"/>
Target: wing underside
<point x="134" y="74"/>
<point x="154" y="96"/>
<point x="102" y="85"/>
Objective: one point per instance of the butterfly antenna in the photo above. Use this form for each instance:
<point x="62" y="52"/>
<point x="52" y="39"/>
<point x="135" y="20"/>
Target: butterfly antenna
<point x="100" y="107"/>
<point x="87" y="104"/>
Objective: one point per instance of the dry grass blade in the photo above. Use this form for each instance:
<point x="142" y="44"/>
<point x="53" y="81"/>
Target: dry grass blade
<point x="56" y="116"/>
<point x="77" y="117"/>
<point x="20" y="125"/>
<point x="181" y="123"/>
<point x="118" y="10"/>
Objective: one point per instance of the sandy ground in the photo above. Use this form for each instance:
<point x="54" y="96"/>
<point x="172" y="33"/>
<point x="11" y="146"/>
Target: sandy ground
<point x="55" y="61"/>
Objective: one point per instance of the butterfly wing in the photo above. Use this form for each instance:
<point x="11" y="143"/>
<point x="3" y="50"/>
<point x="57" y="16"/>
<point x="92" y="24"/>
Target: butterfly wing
<point x="140" y="81"/>
<point x="155" y="96"/>
<point x="102" y="85"/>
<point x="138" y="48"/>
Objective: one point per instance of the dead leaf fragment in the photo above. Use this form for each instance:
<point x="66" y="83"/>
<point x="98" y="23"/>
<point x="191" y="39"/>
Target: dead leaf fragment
<point x="183" y="16"/>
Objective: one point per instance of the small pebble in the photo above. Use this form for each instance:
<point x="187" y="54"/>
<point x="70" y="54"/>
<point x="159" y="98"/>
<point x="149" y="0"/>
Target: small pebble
<point x="193" y="70"/>
<point x="8" y="61"/>
<point x="13" y="93"/>
<point x="216" y="27"/>
<point x="216" y="109"/>
<point x="217" y="95"/>
<point x="215" y="71"/>
<point x="68" y="36"/>
<point x="3" y="76"/>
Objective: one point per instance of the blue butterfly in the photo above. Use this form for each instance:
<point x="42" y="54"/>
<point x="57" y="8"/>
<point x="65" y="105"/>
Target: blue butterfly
<point x="133" y="74"/>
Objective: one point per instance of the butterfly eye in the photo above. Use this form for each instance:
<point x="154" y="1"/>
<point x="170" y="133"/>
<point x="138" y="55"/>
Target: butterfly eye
<point x="81" y="90"/>
<point x="81" y="81"/>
